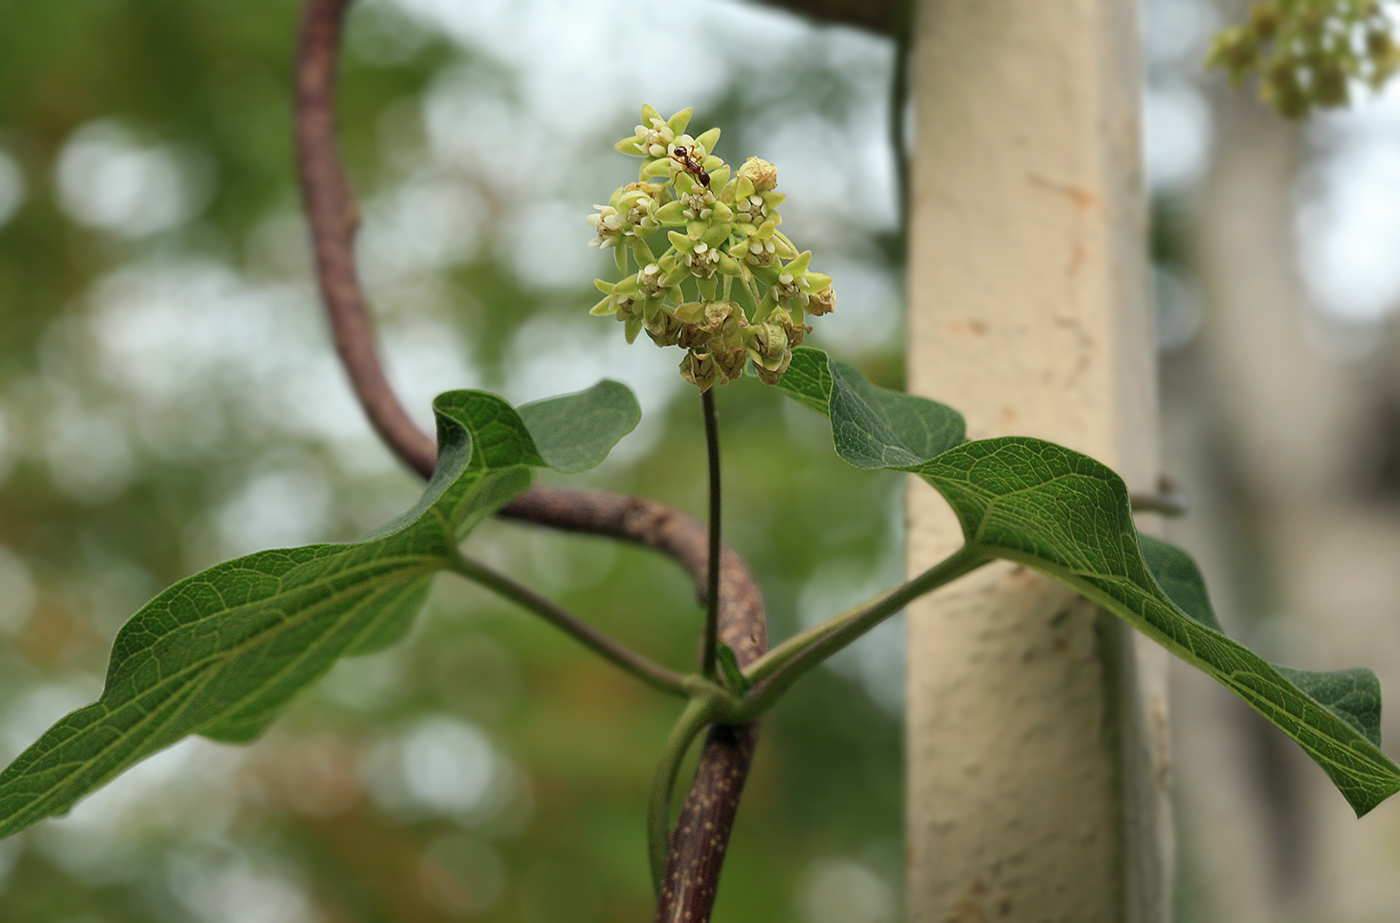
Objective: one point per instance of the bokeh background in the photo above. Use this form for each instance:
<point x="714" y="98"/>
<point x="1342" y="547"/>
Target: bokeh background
<point x="169" y="398"/>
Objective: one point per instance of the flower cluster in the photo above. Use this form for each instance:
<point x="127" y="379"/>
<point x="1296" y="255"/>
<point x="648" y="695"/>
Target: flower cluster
<point x="726" y="284"/>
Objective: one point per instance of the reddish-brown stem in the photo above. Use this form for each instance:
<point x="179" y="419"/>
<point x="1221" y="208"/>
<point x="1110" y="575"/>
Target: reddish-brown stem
<point x="697" y="846"/>
<point x="334" y="216"/>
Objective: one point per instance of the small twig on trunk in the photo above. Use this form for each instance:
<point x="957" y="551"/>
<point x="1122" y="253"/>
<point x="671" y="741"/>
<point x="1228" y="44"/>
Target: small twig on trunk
<point x="699" y="840"/>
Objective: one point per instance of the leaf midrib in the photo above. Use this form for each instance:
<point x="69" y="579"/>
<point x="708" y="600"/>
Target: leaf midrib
<point x="186" y="686"/>
<point x="1366" y="757"/>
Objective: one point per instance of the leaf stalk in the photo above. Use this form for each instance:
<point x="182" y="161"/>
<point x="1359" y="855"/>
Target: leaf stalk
<point x="649" y="672"/>
<point x="697" y="714"/>
<point x="776" y="671"/>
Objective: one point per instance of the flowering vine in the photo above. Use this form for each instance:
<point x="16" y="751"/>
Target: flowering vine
<point x="721" y="282"/>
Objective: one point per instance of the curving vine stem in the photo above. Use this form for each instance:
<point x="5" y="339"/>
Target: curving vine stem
<point x="707" y="816"/>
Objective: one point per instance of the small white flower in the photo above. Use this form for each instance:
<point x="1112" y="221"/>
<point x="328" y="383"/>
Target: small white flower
<point x="656" y="141"/>
<point x="702" y="260"/>
<point x="760" y="252"/>
<point x="609" y="225"/>
<point x="649" y="278"/>
<point x="698" y="203"/>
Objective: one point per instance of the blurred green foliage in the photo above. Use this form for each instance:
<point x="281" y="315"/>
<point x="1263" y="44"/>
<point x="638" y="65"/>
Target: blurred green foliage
<point x="1310" y="54"/>
<point x="168" y="398"/>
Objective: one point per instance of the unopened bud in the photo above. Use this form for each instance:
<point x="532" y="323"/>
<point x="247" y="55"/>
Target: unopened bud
<point x="761" y="173"/>
<point x="700" y="370"/>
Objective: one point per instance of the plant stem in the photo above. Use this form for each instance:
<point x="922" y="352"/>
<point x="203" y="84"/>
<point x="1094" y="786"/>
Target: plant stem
<point x="775" y="672"/>
<point x="690" y="723"/>
<point x="331" y="211"/>
<point x="757" y="301"/>
<point x="711" y="644"/>
<point x="653" y="674"/>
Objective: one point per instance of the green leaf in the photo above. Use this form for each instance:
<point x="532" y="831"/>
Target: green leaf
<point x="1068" y="516"/>
<point x="871" y="427"/>
<point x="222" y="652"/>
<point x="578" y="431"/>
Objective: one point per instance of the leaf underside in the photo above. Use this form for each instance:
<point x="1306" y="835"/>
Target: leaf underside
<point x="221" y="653"/>
<point x="1068" y="516"/>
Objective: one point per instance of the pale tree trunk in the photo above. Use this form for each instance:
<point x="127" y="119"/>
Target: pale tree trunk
<point x="1268" y="837"/>
<point x="1243" y="409"/>
<point x="1037" y="727"/>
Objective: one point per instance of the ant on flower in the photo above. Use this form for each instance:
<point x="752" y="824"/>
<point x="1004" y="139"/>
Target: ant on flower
<point x="682" y="155"/>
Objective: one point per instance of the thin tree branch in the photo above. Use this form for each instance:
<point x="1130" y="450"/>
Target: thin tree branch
<point x="879" y="16"/>
<point x="698" y="843"/>
<point x="1169" y="499"/>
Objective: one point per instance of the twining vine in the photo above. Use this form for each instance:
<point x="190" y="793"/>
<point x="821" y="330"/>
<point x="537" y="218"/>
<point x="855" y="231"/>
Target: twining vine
<point x="707" y="815"/>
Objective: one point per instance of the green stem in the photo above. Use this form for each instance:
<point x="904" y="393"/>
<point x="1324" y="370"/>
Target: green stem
<point x="776" y="671"/>
<point x="711" y="642"/>
<point x="653" y="674"/>
<point x="757" y="300"/>
<point x="687" y="727"/>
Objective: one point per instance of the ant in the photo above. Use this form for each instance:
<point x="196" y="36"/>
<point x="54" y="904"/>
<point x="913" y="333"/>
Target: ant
<point x="682" y="156"/>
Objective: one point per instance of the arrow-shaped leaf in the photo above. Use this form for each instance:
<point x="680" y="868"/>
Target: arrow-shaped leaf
<point x="1069" y="516"/>
<point x="220" y="653"/>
